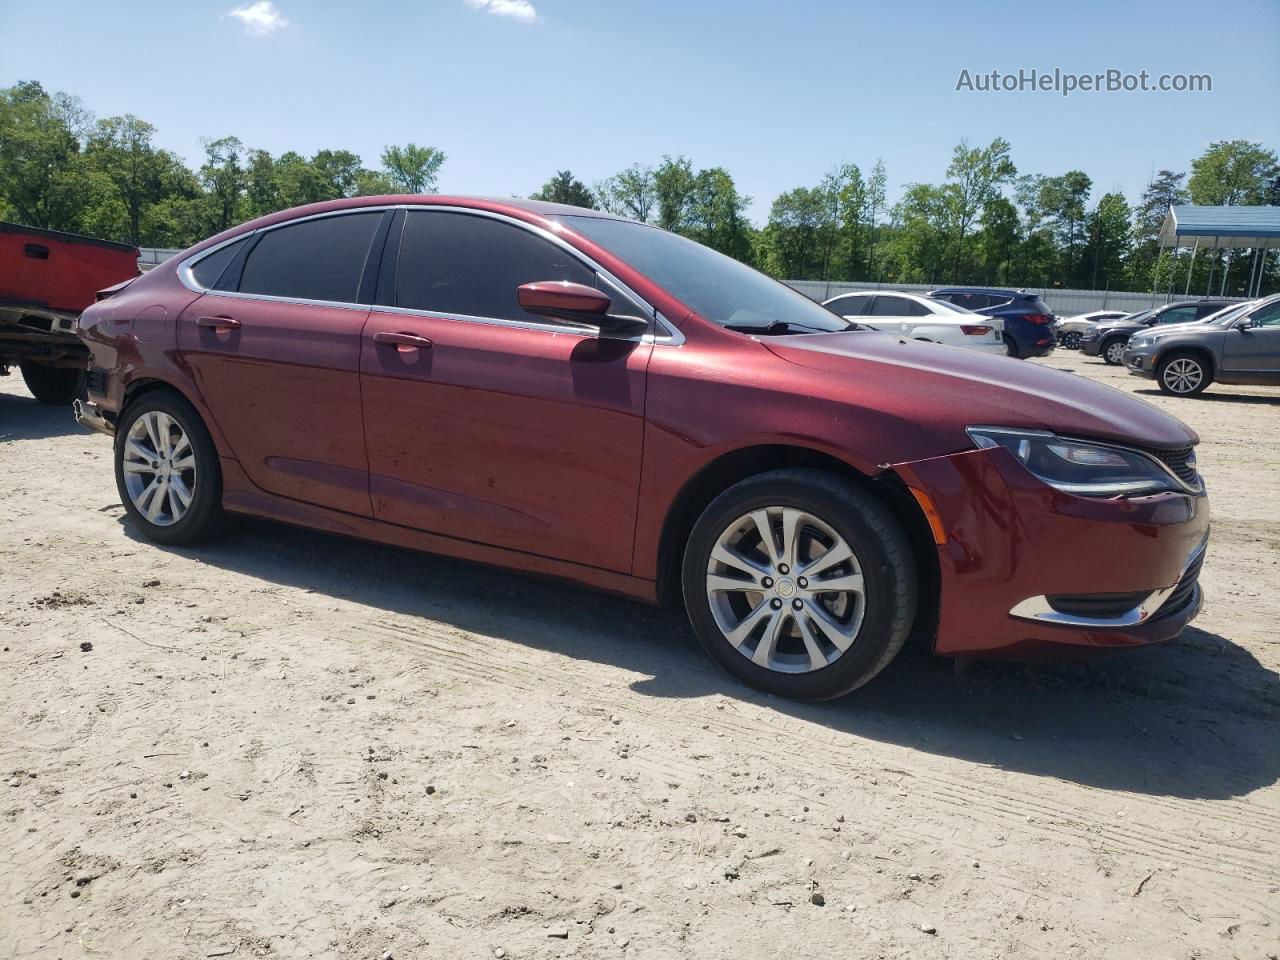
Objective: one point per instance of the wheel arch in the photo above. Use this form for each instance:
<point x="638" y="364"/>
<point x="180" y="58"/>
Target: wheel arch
<point x="143" y="384"/>
<point x="737" y="465"/>
<point x="1198" y="351"/>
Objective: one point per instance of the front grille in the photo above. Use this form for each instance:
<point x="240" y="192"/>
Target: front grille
<point x="1181" y="461"/>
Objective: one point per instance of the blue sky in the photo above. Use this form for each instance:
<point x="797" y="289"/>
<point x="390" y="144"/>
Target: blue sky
<point x="777" y="93"/>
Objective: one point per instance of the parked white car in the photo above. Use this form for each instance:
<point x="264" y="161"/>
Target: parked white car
<point x="1070" y="329"/>
<point x="921" y="318"/>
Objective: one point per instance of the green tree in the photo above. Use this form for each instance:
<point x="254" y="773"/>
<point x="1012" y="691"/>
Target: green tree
<point x="565" y="188"/>
<point x="223" y="177"/>
<point x="411" y="168"/>
<point x="1108" y="234"/>
<point x="121" y="149"/>
<point x="976" y="175"/>
<point x="1063" y="200"/>
<point x="673" y="184"/>
<point x="42" y="170"/>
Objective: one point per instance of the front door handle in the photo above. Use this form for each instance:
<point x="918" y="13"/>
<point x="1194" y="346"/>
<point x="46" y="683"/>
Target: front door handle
<point x="218" y="324"/>
<point x="403" y="342"/>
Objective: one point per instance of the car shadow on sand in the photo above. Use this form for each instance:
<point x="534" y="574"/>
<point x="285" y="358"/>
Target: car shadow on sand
<point x="1197" y="717"/>
<point x="24" y="418"/>
<point x="1211" y="397"/>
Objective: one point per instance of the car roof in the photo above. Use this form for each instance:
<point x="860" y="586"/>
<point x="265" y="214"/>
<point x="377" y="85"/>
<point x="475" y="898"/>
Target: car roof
<point x="991" y="291"/>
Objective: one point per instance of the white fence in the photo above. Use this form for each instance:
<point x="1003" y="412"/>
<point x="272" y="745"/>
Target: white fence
<point x="1063" y="303"/>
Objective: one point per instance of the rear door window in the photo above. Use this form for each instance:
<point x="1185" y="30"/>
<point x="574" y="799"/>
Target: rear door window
<point x="972" y="301"/>
<point x="320" y="259"/>
<point x="458" y="263"/>
<point x="886" y="306"/>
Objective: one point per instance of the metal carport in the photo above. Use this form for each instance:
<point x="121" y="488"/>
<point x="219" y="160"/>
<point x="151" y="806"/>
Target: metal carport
<point x="1223" y="228"/>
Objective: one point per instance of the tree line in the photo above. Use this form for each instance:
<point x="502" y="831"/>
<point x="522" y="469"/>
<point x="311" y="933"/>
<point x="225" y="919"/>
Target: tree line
<point x="985" y="223"/>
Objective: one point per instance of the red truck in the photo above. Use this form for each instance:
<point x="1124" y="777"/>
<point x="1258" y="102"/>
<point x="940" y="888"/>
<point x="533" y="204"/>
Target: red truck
<point x="47" y="278"/>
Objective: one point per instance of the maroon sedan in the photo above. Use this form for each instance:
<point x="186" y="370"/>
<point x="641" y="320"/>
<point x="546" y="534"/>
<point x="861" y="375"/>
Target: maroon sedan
<point x="574" y="394"/>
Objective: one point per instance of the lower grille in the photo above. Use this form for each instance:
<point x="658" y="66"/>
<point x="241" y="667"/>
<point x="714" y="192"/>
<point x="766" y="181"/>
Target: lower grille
<point x="1096" y="605"/>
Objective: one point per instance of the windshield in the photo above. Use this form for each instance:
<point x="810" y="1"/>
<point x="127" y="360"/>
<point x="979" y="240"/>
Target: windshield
<point x="715" y="286"/>
<point x="1135" y="317"/>
<point x="1227" y="314"/>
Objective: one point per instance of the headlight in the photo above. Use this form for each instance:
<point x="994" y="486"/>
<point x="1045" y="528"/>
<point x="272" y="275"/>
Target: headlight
<point x="1078" y="467"/>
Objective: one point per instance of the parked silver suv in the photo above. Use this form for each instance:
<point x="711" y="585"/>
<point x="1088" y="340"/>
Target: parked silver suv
<point x="1240" y="344"/>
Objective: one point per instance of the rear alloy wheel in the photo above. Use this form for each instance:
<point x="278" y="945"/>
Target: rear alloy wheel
<point x="800" y="584"/>
<point x="1071" y="341"/>
<point x="56" y="386"/>
<point x="1183" y="375"/>
<point x="167" y="469"/>
<point x="1113" y="351"/>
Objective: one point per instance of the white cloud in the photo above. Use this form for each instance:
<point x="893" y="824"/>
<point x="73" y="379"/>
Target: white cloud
<point x="260" y="19"/>
<point x="521" y="10"/>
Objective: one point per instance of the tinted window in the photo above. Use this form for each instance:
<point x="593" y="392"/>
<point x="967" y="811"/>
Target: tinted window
<point x="973" y="301"/>
<point x="208" y="270"/>
<point x="1178" y="315"/>
<point x="468" y="265"/>
<point x="891" y="307"/>
<point x="312" y="260"/>
<point x="1003" y="301"/>
<point x="719" y="288"/>
<point x="1267" y="316"/>
<point x="855" y="306"/>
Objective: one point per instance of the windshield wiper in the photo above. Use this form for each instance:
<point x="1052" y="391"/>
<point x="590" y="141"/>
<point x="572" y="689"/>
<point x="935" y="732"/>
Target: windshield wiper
<point x="775" y="328"/>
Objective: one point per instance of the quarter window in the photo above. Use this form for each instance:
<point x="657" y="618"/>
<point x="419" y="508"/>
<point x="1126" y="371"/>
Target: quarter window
<point x="208" y="270"/>
<point x="457" y="263"/>
<point x="319" y="259"/>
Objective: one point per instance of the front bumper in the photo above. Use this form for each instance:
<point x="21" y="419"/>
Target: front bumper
<point x="1090" y="346"/>
<point x="1014" y="544"/>
<point x="1141" y="362"/>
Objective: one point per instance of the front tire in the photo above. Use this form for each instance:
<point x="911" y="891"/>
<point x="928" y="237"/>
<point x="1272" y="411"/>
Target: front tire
<point x="800" y="584"/>
<point x="1183" y="375"/>
<point x="167" y="469"/>
<point x="56" y="386"/>
<point x="1113" y="351"/>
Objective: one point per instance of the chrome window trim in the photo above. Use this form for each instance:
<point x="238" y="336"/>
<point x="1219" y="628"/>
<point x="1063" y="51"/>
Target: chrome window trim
<point x="1197" y="488"/>
<point x="670" y="334"/>
<point x="1037" y="608"/>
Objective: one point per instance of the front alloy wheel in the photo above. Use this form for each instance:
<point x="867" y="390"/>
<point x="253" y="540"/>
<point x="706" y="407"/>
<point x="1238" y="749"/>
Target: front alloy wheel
<point x="786" y="590"/>
<point x="800" y="583"/>
<point x="1183" y="376"/>
<point x="1113" y="352"/>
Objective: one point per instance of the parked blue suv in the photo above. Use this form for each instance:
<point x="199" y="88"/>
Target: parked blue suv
<point x="1028" y="324"/>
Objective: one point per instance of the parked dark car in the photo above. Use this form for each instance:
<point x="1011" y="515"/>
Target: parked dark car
<point x="1028" y="323"/>
<point x="1107" y="340"/>
<point x="1238" y="345"/>
<point x="578" y="395"/>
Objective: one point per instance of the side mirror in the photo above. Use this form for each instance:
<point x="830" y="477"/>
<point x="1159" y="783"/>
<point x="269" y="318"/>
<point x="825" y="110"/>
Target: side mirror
<point x="576" y="303"/>
<point x="1244" y="325"/>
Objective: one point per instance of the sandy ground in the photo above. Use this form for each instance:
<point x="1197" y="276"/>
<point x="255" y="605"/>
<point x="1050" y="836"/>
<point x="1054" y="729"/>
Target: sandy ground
<point x="287" y="744"/>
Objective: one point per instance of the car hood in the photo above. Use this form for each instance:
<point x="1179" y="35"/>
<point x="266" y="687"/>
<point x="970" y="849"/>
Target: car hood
<point x="953" y="388"/>
<point x="1195" y="326"/>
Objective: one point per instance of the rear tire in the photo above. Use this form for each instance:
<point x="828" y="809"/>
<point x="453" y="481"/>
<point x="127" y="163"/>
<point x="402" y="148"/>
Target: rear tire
<point x="1010" y="346"/>
<point x="1112" y="351"/>
<point x="56" y="386"/>
<point x="780" y="631"/>
<point x="167" y="469"/>
<point x="1071" y="341"/>
<point x="1183" y="375"/>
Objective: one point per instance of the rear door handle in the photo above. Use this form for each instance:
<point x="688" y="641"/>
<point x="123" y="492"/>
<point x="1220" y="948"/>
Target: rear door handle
<point x="218" y="324"/>
<point x="404" y="342"/>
